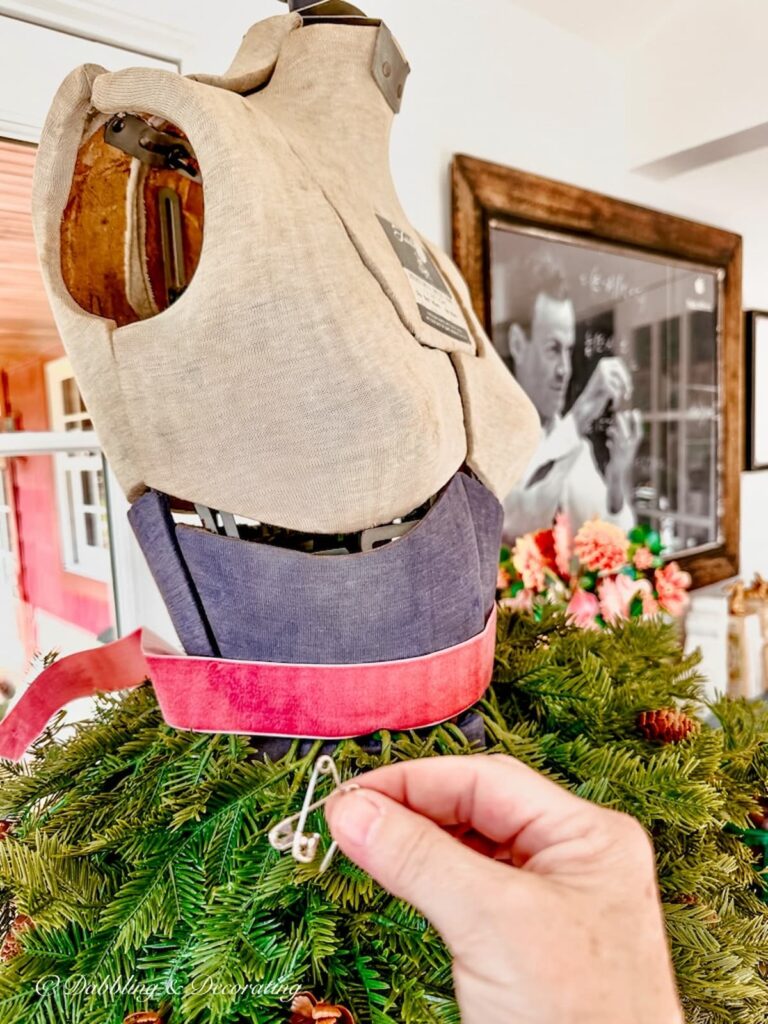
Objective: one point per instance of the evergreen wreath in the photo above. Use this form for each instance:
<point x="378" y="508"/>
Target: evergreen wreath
<point x="140" y="853"/>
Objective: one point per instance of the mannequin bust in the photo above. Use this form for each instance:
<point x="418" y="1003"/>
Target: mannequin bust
<point x="312" y="363"/>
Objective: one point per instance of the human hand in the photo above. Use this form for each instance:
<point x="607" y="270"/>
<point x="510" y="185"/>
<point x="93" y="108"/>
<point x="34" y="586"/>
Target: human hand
<point x="610" y="382"/>
<point x="623" y="439"/>
<point x="548" y="904"/>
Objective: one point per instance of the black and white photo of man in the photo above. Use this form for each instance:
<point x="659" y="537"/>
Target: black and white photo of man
<point x="538" y="340"/>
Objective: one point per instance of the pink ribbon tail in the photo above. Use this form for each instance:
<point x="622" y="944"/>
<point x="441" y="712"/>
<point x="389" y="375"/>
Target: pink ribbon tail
<point x="116" y="666"/>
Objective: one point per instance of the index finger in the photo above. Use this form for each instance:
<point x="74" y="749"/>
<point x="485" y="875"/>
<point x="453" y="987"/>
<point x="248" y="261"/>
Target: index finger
<point x="497" y="795"/>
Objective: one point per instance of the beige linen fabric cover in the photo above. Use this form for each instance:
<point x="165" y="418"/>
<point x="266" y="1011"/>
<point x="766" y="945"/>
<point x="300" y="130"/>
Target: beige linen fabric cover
<point x="296" y="381"/>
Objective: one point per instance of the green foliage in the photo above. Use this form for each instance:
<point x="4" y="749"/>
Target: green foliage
<point x="141" y="852"/>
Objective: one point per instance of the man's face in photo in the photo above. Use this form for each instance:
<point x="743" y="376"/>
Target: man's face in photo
<point x="543" y="361"/>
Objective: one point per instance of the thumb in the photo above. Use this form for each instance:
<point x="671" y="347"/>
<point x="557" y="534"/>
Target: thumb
<point x="414" y="859"/>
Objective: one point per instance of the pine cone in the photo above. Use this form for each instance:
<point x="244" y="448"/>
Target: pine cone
<point x="667" y="725"/>
<point x="11" y="946"/>
<point x="306" y="1008"/>
<point x="144" y="1017"/>
<point x="759" y="817"/>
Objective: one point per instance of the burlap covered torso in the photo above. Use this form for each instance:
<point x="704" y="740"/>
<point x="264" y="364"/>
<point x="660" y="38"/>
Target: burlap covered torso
<point x="302" y="379"/>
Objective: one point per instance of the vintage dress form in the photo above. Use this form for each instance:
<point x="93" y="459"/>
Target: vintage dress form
<point x="308" y="365"/>
<point x="296" y="381"/>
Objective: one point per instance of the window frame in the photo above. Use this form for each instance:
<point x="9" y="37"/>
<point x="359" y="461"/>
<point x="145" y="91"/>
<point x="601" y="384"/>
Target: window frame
<point x="126" y="590"/>
<point x="78" y="556"/>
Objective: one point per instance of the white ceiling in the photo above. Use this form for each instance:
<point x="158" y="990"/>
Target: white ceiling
<point x="615" y="25"/>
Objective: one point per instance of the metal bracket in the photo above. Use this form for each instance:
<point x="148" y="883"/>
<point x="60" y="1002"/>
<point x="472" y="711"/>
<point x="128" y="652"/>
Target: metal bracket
<point x="172" y="243"/>
<point x="378" y="535"/>
<point x="134" y="136"/>
<point x="390" y="68"/>
<point x="210" y="520"/>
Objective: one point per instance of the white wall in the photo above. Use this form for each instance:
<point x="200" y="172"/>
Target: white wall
<point x="700" y="75"/>
<point x="23" y="110"/>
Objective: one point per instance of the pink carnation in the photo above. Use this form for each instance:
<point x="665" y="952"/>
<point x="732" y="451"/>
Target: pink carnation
<point x="563" y="537"/>
<point x="650" y="604"/>
<point x="643" y="559"/>
<point x="672" y="584"/>
<point x="583" y="609"/>
<point x="617" y="594"/>
<point x="503" y="579"/>
<point x="601" y="547"/>
<point x="529" y="561"/>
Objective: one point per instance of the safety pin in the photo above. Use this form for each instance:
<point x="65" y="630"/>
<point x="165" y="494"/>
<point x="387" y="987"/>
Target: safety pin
<point x="304" y="846"/>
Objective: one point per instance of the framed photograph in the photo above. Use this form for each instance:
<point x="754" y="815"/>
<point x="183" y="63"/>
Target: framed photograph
<point x="624" y="327"/>
<point x="756" y="447"/>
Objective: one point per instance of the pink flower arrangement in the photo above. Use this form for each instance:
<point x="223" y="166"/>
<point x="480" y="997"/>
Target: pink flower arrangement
<point x="503" y="578"/>
<point x="643" y="559"/>
<point x="672" y="584"/>
<point x="562" y="535"/>
<point x="534" y="557"/>
<point x="617" y="593"/>
<point x="528" y="560"/>
<point x="601" y="547"/>
<point x="599" y="577"/>
<point x="583" y="609"/>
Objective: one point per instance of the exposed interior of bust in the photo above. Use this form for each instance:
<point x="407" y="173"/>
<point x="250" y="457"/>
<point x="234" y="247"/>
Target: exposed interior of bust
<point x="154" y="213"/>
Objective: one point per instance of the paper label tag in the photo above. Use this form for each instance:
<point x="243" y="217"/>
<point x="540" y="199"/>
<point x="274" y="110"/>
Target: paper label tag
<point x="437" y="306"/>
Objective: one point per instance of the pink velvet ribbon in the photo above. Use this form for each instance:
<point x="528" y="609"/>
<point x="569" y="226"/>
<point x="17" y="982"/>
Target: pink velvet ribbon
<point x="261" y="698"/>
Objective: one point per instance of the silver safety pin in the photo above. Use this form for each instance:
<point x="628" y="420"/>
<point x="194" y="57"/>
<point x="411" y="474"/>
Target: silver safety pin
<point x="304" y="846"/>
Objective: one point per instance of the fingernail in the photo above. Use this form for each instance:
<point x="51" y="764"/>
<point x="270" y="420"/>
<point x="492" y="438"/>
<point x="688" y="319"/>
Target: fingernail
<point x="354" y="815"/>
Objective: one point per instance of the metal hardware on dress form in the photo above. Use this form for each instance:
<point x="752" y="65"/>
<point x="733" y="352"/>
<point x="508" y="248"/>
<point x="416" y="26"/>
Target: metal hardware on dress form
<point x="218" y="522"/>
<point x="133" y="135"/>
<point x="210" y="520"/>
<point x="304" y="846"/>
<point x="336" y="10"/>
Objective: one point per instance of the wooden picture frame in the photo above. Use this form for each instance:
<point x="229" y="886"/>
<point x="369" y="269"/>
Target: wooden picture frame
<point x="488" y="197"/>
<point x="756" y="362"/>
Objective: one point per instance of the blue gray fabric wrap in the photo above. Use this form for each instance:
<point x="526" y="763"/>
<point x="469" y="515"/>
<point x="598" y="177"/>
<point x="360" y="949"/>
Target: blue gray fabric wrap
<point x="230" y="598"/>
<point x="155" y="531"/>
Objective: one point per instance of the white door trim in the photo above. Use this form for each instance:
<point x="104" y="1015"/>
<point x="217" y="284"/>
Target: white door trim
<point x="102" y="23"/>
